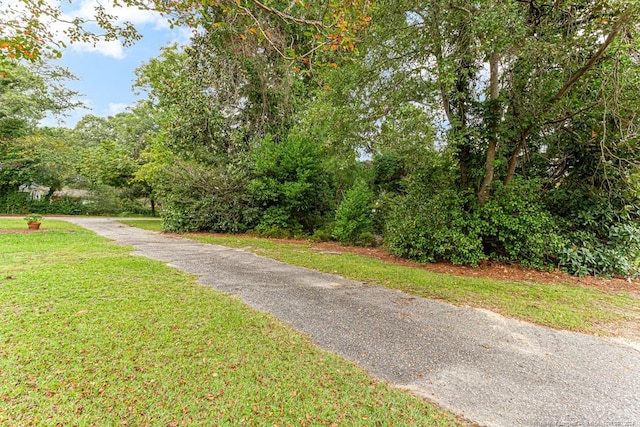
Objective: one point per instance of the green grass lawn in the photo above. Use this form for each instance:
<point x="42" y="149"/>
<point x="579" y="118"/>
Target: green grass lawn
<point x="90" y="335"/>
<point x="558" y="306"/>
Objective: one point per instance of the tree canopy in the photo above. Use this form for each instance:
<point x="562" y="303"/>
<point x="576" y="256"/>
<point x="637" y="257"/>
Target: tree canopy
<point x="462" y="130"/>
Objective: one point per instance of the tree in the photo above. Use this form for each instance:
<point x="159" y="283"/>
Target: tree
<point x="501" y="77"/>
<point x="333" y="26"/>
<point x="220" y="99"/>
<point x="44" y="157"/>
<point x="29" y="93"/>
<point x="28" y="30"/>
<point x="112" y="151"/>
<point x="518" y="99"/>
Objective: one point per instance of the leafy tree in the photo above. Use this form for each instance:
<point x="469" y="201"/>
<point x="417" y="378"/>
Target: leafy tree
<point x="44" y="157"/>
<point x="354" y="216"/>
<point x="222" y="95"/>
<point x="111" y="152"/>
<point x="327" y="27"/>
<point x="28" y="94"/>
<point x="28" y="30"/>
<point x="290" y="186"/>
<point x="113" y="145"/>
<point x="502" y="78"/>
<point x="512" y="91"/>
<point x="107" y="164"/>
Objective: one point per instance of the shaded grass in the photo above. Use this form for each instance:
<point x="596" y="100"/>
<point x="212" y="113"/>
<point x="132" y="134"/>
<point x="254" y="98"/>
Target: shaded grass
<point x="90" y="335"/>
<point x="557" y="306"/>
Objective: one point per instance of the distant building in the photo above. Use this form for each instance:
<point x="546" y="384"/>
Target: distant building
<point x="36" y="191"/>
<point x="70" y="192"/>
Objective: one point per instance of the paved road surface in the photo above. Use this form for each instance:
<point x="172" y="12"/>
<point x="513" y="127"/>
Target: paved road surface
<point x="490" y="369"/>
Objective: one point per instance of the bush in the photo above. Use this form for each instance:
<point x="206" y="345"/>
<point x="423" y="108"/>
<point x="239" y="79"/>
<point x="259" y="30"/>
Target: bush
<point x="69" y="206"/>
<point x="613" y="251"/>
<point x="354" y="217"/>
<point x="290" y="185"/>
<point x="433" y="224"/>
<point x="323" y="233"/>
<point x="104" y="200"/>
<point x="432" y="227"/>
<point x="15" y="203"/>
<point x="516" y="226"/>
<point x="200" y="197"/>
<point x="276" y="223"/>
<point x="598" y="237"/>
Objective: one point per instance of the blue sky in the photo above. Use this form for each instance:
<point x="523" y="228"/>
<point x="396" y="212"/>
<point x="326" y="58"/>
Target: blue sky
<point x="105" y="72"/>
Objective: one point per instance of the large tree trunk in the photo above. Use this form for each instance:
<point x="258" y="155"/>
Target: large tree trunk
<point x="460" y="124"/>
<point x="494" y="93"/>
<point x="453" y="102"/>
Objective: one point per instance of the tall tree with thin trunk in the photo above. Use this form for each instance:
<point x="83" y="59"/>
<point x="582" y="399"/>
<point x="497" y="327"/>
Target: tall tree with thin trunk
<point x="502" y="78"/>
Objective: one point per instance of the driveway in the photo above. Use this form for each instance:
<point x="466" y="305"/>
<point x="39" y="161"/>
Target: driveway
<point x="492" y="370"/>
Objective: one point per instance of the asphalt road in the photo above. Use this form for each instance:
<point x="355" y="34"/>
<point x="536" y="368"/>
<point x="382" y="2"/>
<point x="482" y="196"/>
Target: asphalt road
<point x="492" y="370"/>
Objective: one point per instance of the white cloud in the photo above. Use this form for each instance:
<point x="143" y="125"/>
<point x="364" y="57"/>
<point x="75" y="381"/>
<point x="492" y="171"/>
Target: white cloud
<point x="112" y="49"/>
<point x="117" y="107"/>
<point x="182" y="35"/>
<point x="86" y="9"/>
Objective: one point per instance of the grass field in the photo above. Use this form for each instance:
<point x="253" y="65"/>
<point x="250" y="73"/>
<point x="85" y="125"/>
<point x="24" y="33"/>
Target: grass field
<point x="90" y="335"/>
<point x="557" y="306"/>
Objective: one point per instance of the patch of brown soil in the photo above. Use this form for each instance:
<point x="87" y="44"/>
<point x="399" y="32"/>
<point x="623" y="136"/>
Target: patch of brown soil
<point x="494" y="270"/>
<point x="17" y="231"/>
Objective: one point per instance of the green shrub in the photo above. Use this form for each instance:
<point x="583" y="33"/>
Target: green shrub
<point x="200" y="197"/>
<point x="69" y="206"/>
<point x="614" y="250"/>
<point x="290" y="186"/>
<point x="354" y="216"/>
<point x="598" y="236"/>
<point x="15" y="203"/>
<point x="516" y="226"/>
<point x="366" y="239"/>
<point x="433" y="224"/>
<point x="323" y="233"/>
<point x="431" y="227"/>
<point x="276" y="222"/>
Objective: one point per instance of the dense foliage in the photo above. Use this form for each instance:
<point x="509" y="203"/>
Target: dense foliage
<point x="290" y="186"/>
<point x="99" y="157"/>
<point x="354" y="216"/>
<point x="451" y="130"/>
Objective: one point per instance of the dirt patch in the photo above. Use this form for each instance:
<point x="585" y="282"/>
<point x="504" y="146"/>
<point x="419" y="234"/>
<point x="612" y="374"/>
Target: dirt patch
<point x="18" y="231"/>
<point x="494" y="270"/>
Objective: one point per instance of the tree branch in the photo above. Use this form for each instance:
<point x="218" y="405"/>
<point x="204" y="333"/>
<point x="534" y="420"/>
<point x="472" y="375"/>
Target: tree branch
<point x="318" y="25"/>
<point x="494" y="94"/>
<point x="513" y="161"/>
<point x="591" y="62"/>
